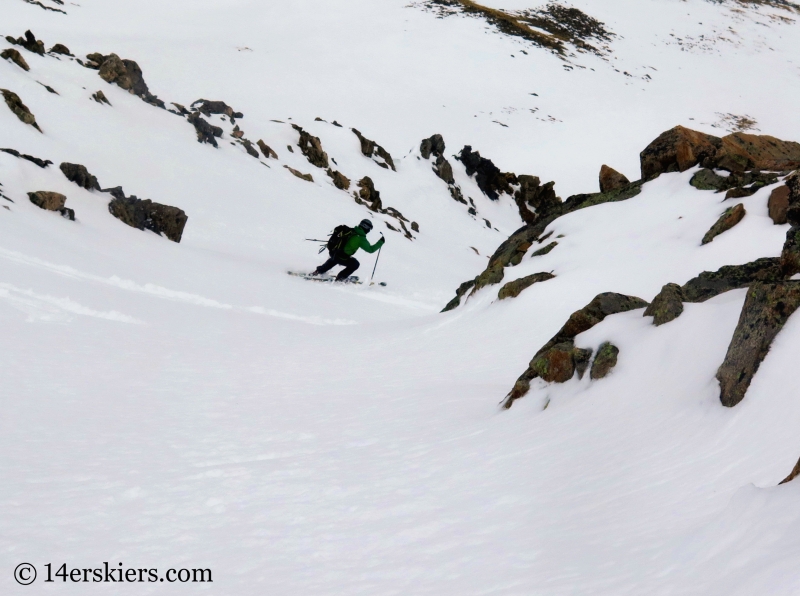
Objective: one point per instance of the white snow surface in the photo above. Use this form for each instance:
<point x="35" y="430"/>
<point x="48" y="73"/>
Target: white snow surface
<point x="191" y="405"/>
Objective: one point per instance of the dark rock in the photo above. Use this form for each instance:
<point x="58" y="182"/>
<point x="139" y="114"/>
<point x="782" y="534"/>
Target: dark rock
<point x="15" y="57"/>
<point x="462" y="289"/>
<point x="741" y="193"/>
<point x="368" y="195"/>
<point x="707" y="179"/>
<point x="793" y="212"/>
<point x="731" y="217"/>
<point x="100" y="97"/>
<point x="60" y="48"/>
<point x="556" y="364"/>
<point x="216" y="107"/>
<point x="21" y="111"/>
<point x="265" y="149"/>
<point x="443" y="169"/>
<point x="147" y="215"/>
<point x="793" y="474"/>
<point x="677" y="150"/>
<point x="513" y="288"/>
<point x="79" y="175"/>
<point x="52" y="201"/>
<point x="489" y="178"/>
<point x="126" y="74"/>
<point x="29" y="42"/>
<point x="731" y="277"/>
<point x="248" y="146"/>
<point x="415" y="226"/>
<point x="42" y="163"/>
<point x="766" y="310"/>
<point x="299" y="174"/>
<point x="605" y="360"/>
<point x="311" y="147"/>
<point x="790" y="256"/>
<point x="582" y="201"/>
<point x="535" y="199"/>
<point x="49" y="88"/>
<point x="545" y="250"/>
<point x="610" y="179"/>
<point x="432" y="146"/>
<point x="206" y="132"/>
<point x="67" y="213"/>
<point x="340" y="181"/>
<point x="581" y="358"/>
<point x="371" y="149"/>
<point x="50" y="8"/>
<point x="666" y="306"/>
<point x="778" y="204"/>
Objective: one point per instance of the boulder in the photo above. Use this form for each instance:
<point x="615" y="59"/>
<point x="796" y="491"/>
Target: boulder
<point x="15" y="57"/>
<point x="556" y="364"/>
<point x="52" y="201"/>
<point x="707" y="179"/>
<point x="265" y="149"/>
<point x="60" y="48"/>
<point x="124" y="73"/>
<point x="731" y="277"/>
<point x="433" y="145"/>
<point x="766" y="310"/>
<point x="488" y="176"/>
<point x="371" y="149"/>
<point x="605" y="360"/>
<point x="610" y="179"/>
<point x="20" y="110"/>
<point x="731" y="217"/>
<point x="207" y="108"/>
<point x="340" y="181"/>
<point x="790" y="255"/>
<point x="677" y="150"/>
<point x="311" y="147"/>
<point x="79" y="175"/>
<point x="42" y="163"/>
<point x="514" y="288"/>
<point x="147" y="215"/>
<point x="666" y="306"/>
<point x="778" y="204"/>
<point x="299" y="174"/>
<point x="368" y="194"/>
<point x="206" y="132"/>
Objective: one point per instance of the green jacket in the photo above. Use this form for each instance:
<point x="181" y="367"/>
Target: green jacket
<point x="359" y="240"/>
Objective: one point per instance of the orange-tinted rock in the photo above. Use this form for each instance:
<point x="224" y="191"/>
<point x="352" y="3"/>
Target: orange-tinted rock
<point x="778" y="204"/>
<point x="610" y="179"/>
<point x="741" y="151"/>
<point x="677" y="150"/>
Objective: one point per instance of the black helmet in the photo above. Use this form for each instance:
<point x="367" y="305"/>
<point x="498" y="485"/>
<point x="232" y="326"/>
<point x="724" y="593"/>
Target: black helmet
<point x="366" y="225"/>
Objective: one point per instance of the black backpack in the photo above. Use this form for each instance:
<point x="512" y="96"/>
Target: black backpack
<point x="339" y="237"/>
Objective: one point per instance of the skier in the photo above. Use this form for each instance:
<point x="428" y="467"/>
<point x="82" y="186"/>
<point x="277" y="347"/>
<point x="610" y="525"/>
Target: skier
<point x="343" y="245"/>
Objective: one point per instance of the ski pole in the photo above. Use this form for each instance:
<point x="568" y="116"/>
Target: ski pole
<point x="376" y="263"/>
<point x="316" y="240"/>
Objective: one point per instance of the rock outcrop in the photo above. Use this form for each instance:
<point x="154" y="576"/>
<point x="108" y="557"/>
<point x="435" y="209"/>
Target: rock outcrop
<point x="731" y="217"/>
<point x="52" y="201"/>
<point x="368" y="195"/>
<point x="610" y="179"/>
<point x="790" y="255"/>
<point x="434" y="147"/>
<point x="666" y="306"/>
<point x="60" y="48"/>
<point x="78" y="174"/>
<point x="206" y="133"/>
<point x="42" y="163"/>
<point x="514" y="288"/>
<point x="488" y="176"/>
<point x="311" y="147"/>
<point x="679" y="149"/>
<point x="147" y="215"/>
<point x="266" y="150"/>
<point x="731" y="277"/>
<point x="544" y="250"/>
<point x="460" y="292"/>
<point x="15" y="57"/>
<point x="374" y="151"/>
<point x="766" y="310"/>
<point x="124" y="73"/>
<point x="299" y="174"/>
<point x="100" y="97"/>
<point x="20" y="110"/>
<point x="534" y="199"/>
<point x="558" y="359"/>
<point x="778" y="204"/>
<point x="29" y="42"/>
<point x="605" y="360"/>
<point x="207" y="108"/>
<point x="340" y="181"/>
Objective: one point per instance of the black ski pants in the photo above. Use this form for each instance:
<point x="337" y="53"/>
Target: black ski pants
<point x="350" y="265"/>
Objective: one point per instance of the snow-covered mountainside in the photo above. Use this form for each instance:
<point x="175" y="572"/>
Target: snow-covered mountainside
<point x="550" y="388"/>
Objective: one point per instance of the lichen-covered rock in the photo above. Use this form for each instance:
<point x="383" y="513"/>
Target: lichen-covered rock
<point x="311" y="147"/>
<point x="60" y="48"/>
<point x="52" y="201"/>
<point x="731" y="277"/>
<point x="666" y="306"/>
<point x="340" y="181"/>
<point x="778" y="204"/>
<point x="372" y="149"/>
<point x="707" y="179"/>
<point x="462" y="289"/>
<point x="266" y="150"/>
<point x="766" y="310"/>
<point x="790" y="255"/>
<point x="556" y="365"/>
<point x="741" y="151"/>
<point x="78" y="174"/>
<point x="514" y="288"/>
<point x="731" y="217"/>
<point x="677" y="150"/>
<point x="206" y="132"/>
<point x="582" y="201"/>
<point x="610" y="179"/>
<point x="15" y="57"/>
<point x="147" y="215"/>
<point x="126" y="74"/>
<point x="20" y="110"/>
<point x="545" y="250"/>
<point x="605" y="360"/>
<point x="207" y="108"/>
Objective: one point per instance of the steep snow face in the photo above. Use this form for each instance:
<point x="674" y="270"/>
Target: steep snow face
<point x="191" y="405"/>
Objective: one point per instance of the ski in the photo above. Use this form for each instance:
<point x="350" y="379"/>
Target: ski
<point x="353" y="279"/>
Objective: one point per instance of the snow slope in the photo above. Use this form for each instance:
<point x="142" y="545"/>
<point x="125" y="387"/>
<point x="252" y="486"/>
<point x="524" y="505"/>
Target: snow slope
<point x="190" y="405"/>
